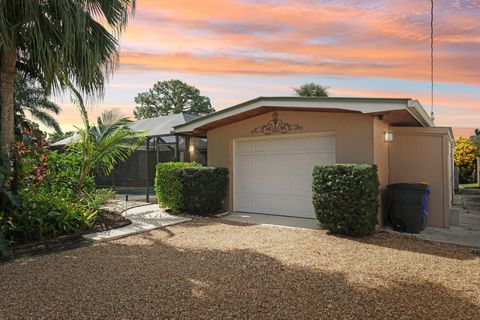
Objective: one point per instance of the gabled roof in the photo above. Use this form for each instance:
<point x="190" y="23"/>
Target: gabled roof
<point x="395" y="111"/>
<point x="158" y="126"/>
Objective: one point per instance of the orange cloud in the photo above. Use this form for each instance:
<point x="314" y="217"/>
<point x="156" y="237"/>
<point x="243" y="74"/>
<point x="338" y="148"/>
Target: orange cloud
<point x="365" y="38"/>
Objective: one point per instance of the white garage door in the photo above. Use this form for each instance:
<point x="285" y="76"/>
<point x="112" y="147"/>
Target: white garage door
<point x="273" y="175"/>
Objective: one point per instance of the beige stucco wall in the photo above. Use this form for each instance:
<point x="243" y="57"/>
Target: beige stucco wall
<point x="421" y="155"/>
<point x="353" y="136"/>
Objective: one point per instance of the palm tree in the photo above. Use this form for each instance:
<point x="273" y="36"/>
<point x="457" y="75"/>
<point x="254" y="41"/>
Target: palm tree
<point x="31" y="97"/>
<point x="60" y="41"/>
<point x="311" y="90"/>
<point x="101" y="146"/>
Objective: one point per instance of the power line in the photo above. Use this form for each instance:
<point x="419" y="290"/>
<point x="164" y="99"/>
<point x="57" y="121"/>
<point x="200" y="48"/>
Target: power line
<point x="432" y="115"/>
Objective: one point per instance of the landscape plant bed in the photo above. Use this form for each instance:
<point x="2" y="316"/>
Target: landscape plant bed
<point x="108" y="220"/>
<point x="64" y="242"/>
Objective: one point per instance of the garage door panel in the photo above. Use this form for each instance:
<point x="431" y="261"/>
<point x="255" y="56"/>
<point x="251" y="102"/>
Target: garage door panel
<point x="269" y="204"/>
<point x="263" y="146"/>
<point x="324" y="144"/>
<point x="262" y="164"/>
<point x="245" y="146"/>
<point x="244" y="165"/>
<point x="274" y="174"/>
<point x="279" y="185"/>
<point x="280" y="162"/>
<point x="245" y="203"/>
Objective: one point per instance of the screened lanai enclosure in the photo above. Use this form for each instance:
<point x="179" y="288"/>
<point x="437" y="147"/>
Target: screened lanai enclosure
<point x="139" y="169"/>
<point x="136" y="175"/>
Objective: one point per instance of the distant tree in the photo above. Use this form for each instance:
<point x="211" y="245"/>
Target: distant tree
<point x="171" y="97"/>
<point x="31" y="98"/>
<point x="57" y="136"/>
<point x="476" y="138"/>
<point x="466" y="153"/>
<point x="311" y="90"/>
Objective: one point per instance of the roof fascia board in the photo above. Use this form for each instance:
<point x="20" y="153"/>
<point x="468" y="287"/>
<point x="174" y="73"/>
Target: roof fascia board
<point x="417" y="111"/>
<point x="360" y="105"/>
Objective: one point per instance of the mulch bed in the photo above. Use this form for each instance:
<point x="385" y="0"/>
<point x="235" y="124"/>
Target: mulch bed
<point x="65" y="242"/>
<point x="108" y="220"/>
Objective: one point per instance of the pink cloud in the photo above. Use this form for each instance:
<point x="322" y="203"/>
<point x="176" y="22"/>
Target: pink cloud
<point x="342" y="38"/>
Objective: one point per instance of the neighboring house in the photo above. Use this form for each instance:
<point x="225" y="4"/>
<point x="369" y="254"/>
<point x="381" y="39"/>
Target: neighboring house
<point x="162" y="145"/>
<point x="271" y="144"/>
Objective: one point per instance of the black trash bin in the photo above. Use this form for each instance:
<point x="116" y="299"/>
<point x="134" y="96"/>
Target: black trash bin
<point x="407" y="206"/>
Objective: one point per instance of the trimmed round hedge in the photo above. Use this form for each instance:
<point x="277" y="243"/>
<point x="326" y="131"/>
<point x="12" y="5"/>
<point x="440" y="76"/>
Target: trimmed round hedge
<point x="346" y="198"/>
<point x="203" y="189"/>
<point x="189" y="187"/>
<point x="167" y="186"/>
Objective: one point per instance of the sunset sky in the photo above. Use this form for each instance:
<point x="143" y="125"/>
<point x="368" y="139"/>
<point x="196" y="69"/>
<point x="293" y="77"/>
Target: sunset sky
<point x="235" y="50"/>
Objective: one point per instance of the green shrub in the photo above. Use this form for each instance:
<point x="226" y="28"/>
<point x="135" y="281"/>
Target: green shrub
<point x="345" y="198"/>
<point x="167" y="186"/>
<point x="96" y="199"/>
<point x="40" y="216"/>
<point x="62" y="176"/>
<point x="203" y="189"/>
<point x="187" y="186"/>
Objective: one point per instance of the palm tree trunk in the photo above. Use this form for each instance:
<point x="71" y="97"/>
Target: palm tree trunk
<point x="7" y="77"/>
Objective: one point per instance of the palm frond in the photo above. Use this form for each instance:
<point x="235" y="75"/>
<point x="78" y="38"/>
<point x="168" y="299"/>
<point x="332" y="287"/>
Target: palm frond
<point x="103" y="145"/>
<point x="30" y="96"/>
<point x="65" y="41"/>
<point x="117" y="146"/>
<point x="108" y="122"/>
<point x="46" y="119"/>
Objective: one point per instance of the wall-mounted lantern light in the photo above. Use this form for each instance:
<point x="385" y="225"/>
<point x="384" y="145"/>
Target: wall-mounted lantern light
<point x="191" y="148"/>
<point x="388" y="136"/>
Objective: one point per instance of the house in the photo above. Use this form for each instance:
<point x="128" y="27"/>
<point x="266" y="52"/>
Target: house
<point x="271" y="144"/>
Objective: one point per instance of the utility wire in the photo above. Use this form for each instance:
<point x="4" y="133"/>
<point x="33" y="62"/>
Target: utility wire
<point x="432" y="115"/>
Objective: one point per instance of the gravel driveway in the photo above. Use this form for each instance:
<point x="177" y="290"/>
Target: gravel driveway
<point x="209" y="268"/>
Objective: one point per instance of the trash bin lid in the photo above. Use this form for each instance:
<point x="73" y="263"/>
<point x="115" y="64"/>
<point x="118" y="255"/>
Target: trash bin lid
<point x="408" y="186"/>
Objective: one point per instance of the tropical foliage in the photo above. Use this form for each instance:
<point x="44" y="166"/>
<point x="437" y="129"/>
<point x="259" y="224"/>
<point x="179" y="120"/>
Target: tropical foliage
<point x="466" y="153"/>
<point x="30" y="98"/>
<point x="61" y="42"/>
<point x="45" y="47"/>
<point x="311" y="90"/>
<point x="42" y="208"/>
<point x="171" y="97"/>
<point x="102" y="145"/>
<point x="57" y="136"/>
<point x="57" y="193"/>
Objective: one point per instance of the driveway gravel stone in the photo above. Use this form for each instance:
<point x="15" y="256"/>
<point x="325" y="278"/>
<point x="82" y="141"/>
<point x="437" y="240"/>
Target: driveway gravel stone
<point x="215" y="269"/>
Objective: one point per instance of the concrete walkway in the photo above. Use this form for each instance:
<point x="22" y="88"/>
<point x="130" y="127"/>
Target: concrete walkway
<point x="466" y="211"/>
<point x="272" y="220"/>
<point x="144" y="218"/>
